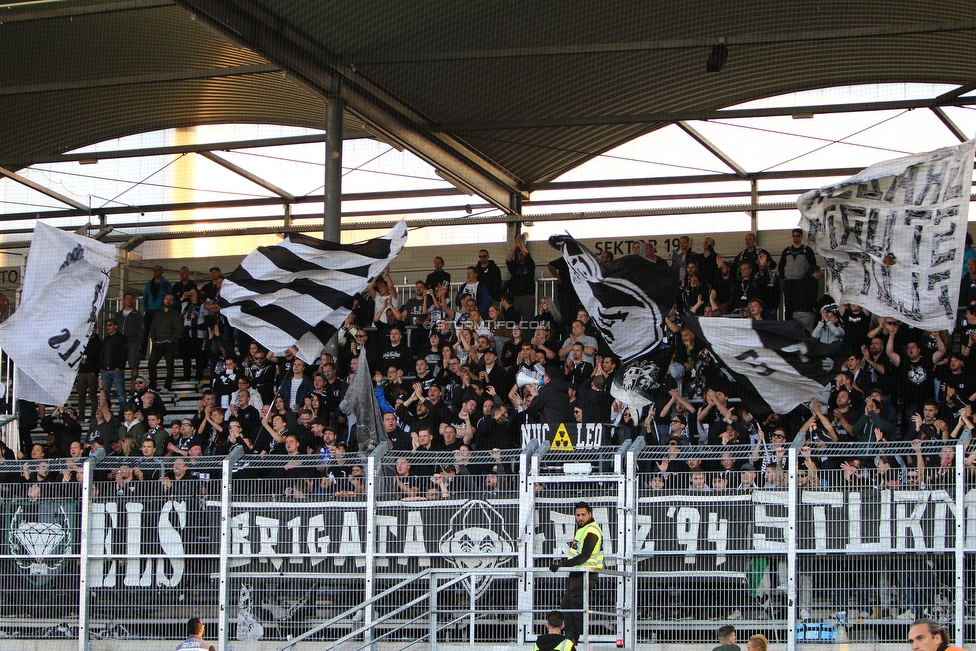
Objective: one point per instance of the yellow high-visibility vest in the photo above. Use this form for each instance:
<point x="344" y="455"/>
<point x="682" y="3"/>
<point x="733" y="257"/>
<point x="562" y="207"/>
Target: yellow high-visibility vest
<point x="595" y="561"/>
<point x="565" y="645"/>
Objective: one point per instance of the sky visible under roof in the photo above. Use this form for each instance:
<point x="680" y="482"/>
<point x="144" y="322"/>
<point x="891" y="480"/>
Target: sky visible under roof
<point x="756" y="144"/>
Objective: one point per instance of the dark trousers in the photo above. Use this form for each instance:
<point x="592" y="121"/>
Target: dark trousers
<point x="192" y="349"/>
<point x="147" y="318"/>
<point x="159" y="349"/>
<point x="572" y="603"/>
<point x="87" y="384"/>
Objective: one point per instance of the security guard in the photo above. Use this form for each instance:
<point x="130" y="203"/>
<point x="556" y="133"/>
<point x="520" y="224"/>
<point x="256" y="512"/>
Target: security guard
<point x="584" y="554"/>
<point x="553" y="640"/>
<point x="194" y="629"/>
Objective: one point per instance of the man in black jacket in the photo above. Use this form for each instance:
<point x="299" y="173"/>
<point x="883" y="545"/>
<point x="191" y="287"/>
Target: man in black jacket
<point x="114" y="352"/>
<point x="553" y="639"/>
<point x="87" y="381"/>
<point x="165" y="332"/>
<point x="551" y="402"/>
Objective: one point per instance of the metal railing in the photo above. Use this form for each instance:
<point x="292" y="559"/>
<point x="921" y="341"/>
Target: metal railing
<point x="263" y="548"/>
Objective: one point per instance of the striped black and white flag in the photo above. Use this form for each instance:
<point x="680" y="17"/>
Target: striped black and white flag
<point x="776" y="358"/>
<point x="299" y="292"/>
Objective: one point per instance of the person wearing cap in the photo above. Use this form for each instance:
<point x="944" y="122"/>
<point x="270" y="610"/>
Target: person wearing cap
<point x="490" y="371"/>
<point x="112" y="359"/>
<point x="794" y="264"/>
<point x="210" y="290"/>
<point x="673" y="462"/>
<point x="773" y="453"/>
<point x="828" y="330"/>
<point x="585" y="556"/>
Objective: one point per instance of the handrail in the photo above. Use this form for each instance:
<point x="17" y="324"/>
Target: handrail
<point x="304" y="636"/>
<point x="457" y="576"/>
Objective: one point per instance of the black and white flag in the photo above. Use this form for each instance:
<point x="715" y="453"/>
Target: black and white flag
<point x="893" y="235"/>
<point x="627" y="300"/>
<point x="360" y="405"/>
<point x="776" y="358"/>
<point x="299" y="292"/>
<point x="65" y="284"/>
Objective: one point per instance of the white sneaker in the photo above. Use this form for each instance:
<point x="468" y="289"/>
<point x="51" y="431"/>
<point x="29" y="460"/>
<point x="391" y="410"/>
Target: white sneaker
<point x="908" y="615"/>
<point x="735" y="614"/>
<point x="804" y="613"/>
<point x="358" y="617"/>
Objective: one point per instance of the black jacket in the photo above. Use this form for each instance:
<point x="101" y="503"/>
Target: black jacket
<point x="552" y="403"/>
<point x="115" y="352"/>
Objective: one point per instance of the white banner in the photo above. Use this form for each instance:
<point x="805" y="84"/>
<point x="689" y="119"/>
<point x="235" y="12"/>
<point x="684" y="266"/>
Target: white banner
<point x="65" y="284"/>
<point x="893" y="236"/>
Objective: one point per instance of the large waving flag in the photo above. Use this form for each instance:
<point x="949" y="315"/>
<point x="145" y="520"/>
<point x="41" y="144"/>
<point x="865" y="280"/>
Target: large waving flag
<point x="65" y="283"/>
<point x="299" y="292"/>
<point x="894" y="234"/>
<point x="627" y="300"/>
<point x="776" y="358"/>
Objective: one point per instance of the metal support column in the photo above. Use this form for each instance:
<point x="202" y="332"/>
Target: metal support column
<point x="627" y="545"/>
<point x="792" y="509"/>
<point x="224" y="598"/>
<point x="754" y="213"/>
<point x="528" y="472"/>
<point x="959" y="601"/>
<point x="84" y="548"/>
<point x="333" y="164"/>
<point x="372" y="488"/>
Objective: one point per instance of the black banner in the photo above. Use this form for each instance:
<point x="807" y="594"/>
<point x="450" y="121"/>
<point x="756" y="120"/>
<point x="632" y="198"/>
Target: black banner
<point x="700" y="532"/>
<point x="566" y="437"/>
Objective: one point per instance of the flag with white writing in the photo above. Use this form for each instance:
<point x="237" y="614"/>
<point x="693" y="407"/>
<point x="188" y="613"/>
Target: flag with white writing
<point x="776" y="359"/>
<point x="299" y="292"/>
<point x="893" y="235"/>
<point x="65" y="284"/>
<point x="627" y="299"/>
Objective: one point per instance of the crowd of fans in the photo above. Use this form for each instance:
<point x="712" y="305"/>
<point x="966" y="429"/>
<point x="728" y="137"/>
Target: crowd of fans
<point x="484" y="358"/>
